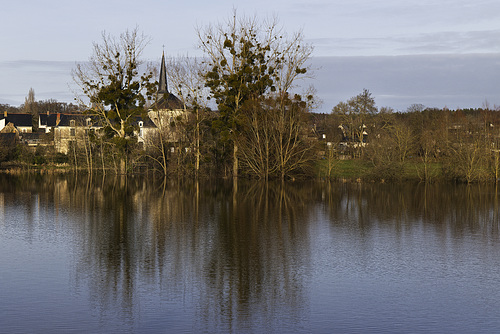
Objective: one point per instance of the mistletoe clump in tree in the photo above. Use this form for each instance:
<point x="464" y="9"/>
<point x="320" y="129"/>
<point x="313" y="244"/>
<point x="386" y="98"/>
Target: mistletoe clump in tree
<point x="248" y="63"/>
<point x="115" y="86"/>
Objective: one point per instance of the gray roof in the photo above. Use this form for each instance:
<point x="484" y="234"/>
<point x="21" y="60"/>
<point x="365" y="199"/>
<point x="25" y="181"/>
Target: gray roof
<point x="53" y="120"/>
<point x="18" y="119"/>
<point x="146" y="122"/>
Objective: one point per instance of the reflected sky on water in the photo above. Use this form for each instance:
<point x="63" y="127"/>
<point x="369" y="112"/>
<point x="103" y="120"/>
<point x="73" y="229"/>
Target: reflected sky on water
<point x="147" y="256"/>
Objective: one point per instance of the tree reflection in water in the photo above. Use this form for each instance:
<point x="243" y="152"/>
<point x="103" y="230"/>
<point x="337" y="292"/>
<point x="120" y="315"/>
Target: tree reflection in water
<point x="236" y="249"/>
<point x="229" y="253"/>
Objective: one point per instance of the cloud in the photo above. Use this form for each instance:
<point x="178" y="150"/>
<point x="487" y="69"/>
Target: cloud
<point x="442" y="42"/>
<point x="450" y="42"/>
<point x="52" y="31"/>
<point x="49" y="79"/>
<point x="464" y="81"/>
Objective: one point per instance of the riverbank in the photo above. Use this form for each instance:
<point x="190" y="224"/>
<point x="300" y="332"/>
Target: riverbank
<point x="353" y="170"/>
<point x="356" y="169"/>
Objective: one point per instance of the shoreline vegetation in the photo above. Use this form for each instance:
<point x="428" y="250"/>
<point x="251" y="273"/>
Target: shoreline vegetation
<point x="344" y="171"/>
<point x="424" y="144"/>
<point x="420" y="144"/>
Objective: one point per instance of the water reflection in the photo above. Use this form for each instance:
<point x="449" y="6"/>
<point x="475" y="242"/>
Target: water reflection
<point x="226" y="254"/>
<point x="452" y="208"/>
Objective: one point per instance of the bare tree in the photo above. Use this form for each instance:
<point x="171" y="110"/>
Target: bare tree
<point x="427" y="152"/>
<point x="188" y="84"/>
<point x="247" y="60"/>
<point x="355" y="114"/>
<point x="273" y="140"/>
<point x="116" y="85"/>
<point x="468" y="153"/>
<point x="31" y="107"/>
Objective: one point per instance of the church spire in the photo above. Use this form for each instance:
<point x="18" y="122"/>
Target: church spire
<point x="162" y="86"/>
<point x="165" y="99"/>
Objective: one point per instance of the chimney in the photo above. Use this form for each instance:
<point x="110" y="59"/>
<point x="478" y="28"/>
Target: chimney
<point x="58" y="118"/>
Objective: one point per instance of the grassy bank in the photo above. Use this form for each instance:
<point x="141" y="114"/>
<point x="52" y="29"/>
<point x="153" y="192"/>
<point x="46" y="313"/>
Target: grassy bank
<point x="356" y="169"/>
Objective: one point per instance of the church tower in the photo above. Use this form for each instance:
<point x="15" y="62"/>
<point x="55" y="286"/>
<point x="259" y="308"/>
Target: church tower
<point x="165" y="99"/>
<point x="163" y="86"/>
<point x="168" y="108"/>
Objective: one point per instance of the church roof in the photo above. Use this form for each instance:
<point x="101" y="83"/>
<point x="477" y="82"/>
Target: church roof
<point x="165" y="99"/>
<point x="168" y="101"/>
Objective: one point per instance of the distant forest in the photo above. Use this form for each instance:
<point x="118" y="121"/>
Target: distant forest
<point x="42" y="106"/>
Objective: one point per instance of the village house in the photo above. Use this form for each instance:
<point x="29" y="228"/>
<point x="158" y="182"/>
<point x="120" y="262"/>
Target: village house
<point x="21" y="125"/>
<point x="65" y="130"/>
<point x="9" y="135"/>
<point x="146" y="130"/>
<point x="68" y="129"/>
<point x="22" y="122"/>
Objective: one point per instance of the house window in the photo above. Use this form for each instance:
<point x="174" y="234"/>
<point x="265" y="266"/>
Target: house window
<point x="141" y="132"/>
<point x="89" y="122"/>
<point x="72" y="131"/>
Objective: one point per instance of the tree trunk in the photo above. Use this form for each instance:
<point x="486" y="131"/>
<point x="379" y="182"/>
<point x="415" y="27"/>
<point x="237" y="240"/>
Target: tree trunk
<point x="102" y="158"/>
<point x="197" y="165"/>
<point x="235" y="160"/>
<point x="123" y="166"/>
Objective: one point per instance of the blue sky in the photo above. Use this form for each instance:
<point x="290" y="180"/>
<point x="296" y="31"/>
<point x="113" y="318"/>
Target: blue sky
<point x="445" y="52"/>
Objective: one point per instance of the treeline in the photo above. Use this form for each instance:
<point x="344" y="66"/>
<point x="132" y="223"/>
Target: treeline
<point x="41" y="106"/>
<point x="421" y="143"/>
<point x="426" y="143"/>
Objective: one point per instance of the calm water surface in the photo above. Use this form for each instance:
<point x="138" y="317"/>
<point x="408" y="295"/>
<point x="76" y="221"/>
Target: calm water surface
<point x="117" y="255"/>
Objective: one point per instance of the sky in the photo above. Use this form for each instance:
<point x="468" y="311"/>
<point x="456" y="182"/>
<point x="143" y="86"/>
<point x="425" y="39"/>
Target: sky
<point x="437" y="53"/>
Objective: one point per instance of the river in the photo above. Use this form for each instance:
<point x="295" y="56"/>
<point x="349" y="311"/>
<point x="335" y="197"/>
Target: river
<point x="138" y="255"/>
